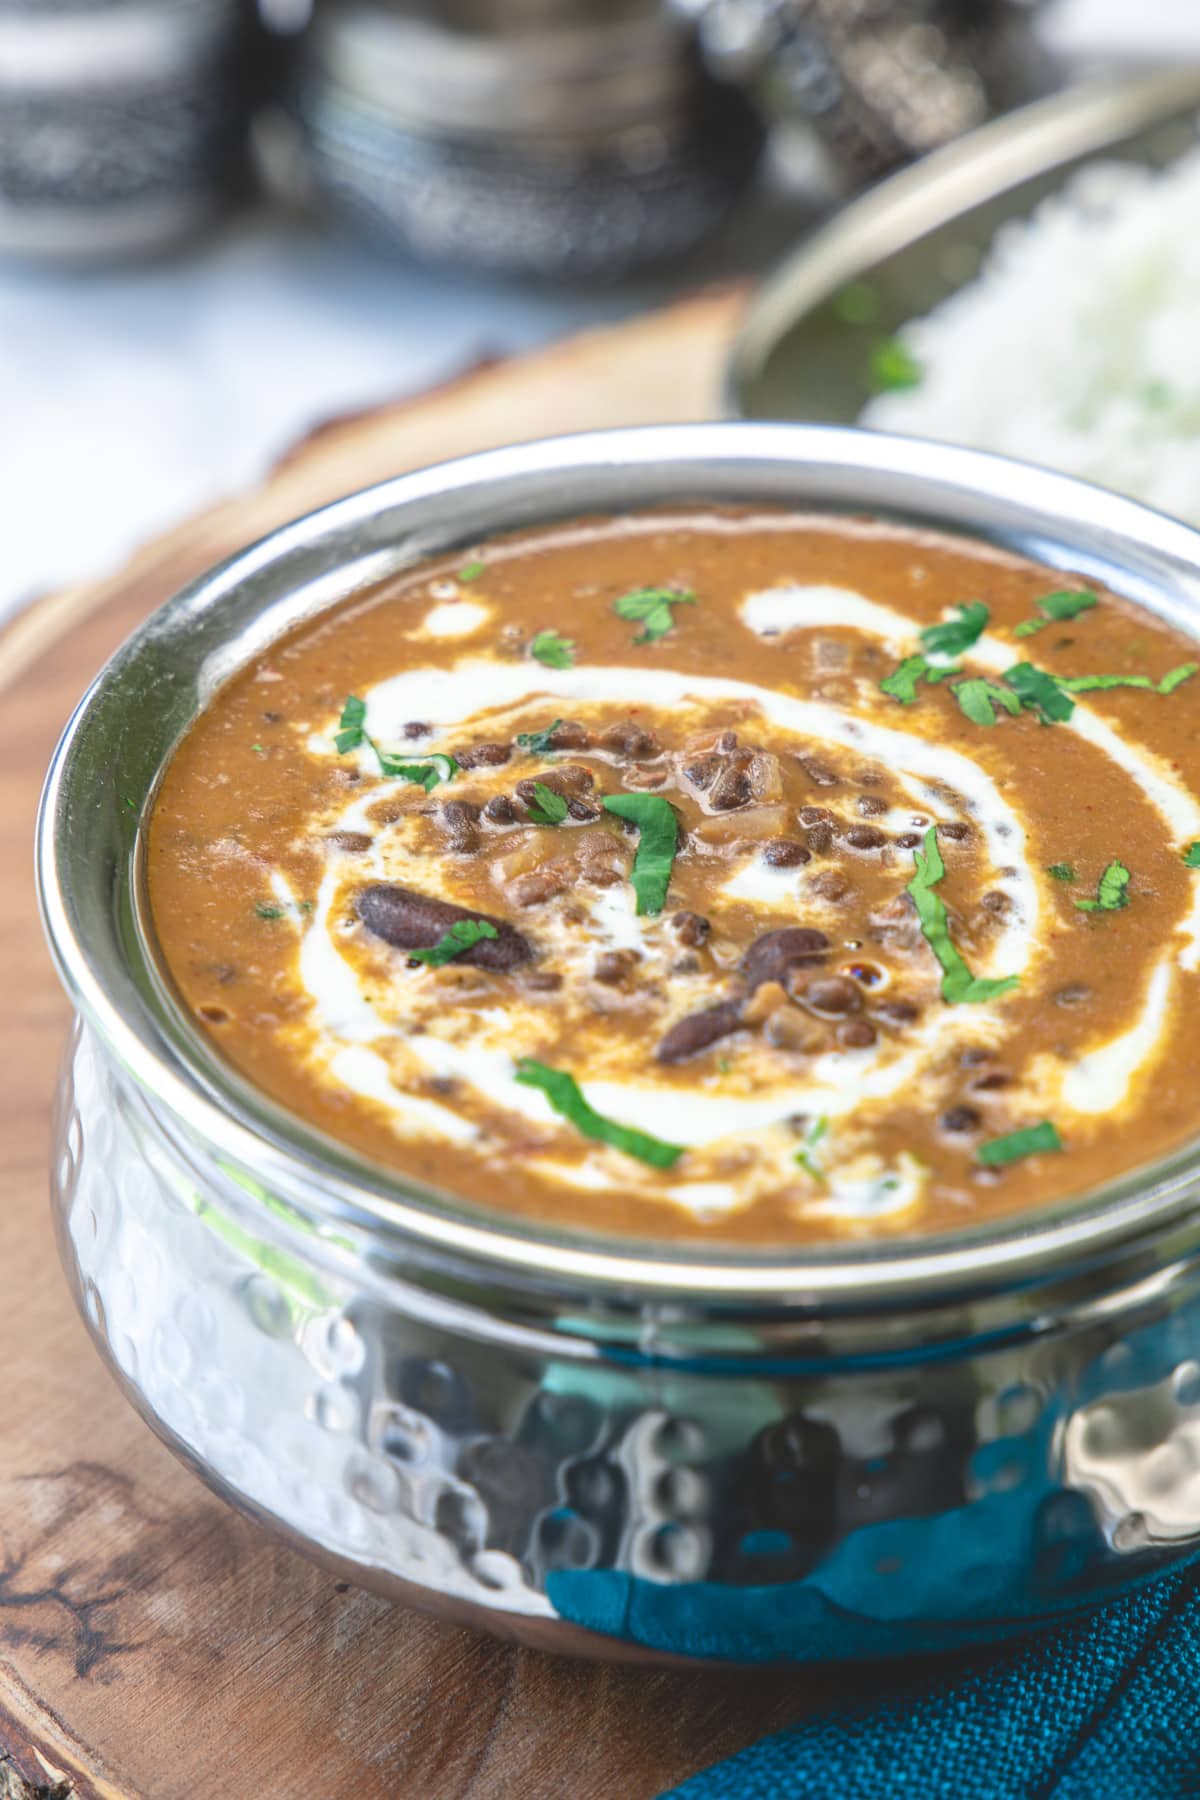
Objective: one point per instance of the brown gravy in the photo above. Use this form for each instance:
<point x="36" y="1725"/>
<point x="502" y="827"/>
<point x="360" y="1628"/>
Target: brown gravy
<point x="828" y="1054"/>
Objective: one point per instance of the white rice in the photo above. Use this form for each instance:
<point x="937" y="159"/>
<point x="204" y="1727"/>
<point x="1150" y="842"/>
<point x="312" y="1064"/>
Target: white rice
<point x="1078" y="345"/>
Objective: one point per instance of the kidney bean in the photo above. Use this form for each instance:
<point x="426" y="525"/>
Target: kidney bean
<point x="615" y="966"/>
<point x="459" y="819"/>
<point x="871" y="805"/>
<point x="568" y="734"/>
<point x="411" y="921"/>
<point x="690" y="928"/>
<point x="770" y="957"/>
<point x="960" y="1118"/>
<point x="570" y="780"/>
<point x="898" y="1012"/>
<point x="856" y="1034"/>
<point x="833" y="995"/>
<point x="688" y="1036"/>
<point x="484" y="756"/>
<point x="631" y="740"/>
<point x="819" y="773"/>
<point x="538" y="886"/>
<point x="865" y="837"/>
<point x="732" y="787"/>
<point x="540" y="981"/>
<point x="500" y="810"/>
<point x="956" y="833"/>
<point x="785" y="853"/>
<point x="831" y="884"/>
<point x="352" y="842"/>
<point x="704" y="772"/>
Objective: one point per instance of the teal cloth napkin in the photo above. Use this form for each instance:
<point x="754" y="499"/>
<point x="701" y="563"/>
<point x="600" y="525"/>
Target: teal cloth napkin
<point x="1104" y="1708"/>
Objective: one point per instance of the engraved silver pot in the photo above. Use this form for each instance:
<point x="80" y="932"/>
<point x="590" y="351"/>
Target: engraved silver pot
<point x="616" y="1448"/>
<point x="122" y="122"/>
<point x="568" y="139"/>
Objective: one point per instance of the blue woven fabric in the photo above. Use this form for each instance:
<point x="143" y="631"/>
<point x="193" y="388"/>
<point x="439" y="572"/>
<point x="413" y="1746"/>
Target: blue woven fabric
<point x="1104" y="1708"/>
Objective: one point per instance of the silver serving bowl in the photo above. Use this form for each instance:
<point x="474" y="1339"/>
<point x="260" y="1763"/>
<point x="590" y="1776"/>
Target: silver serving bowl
<point x="624" y="1449"/>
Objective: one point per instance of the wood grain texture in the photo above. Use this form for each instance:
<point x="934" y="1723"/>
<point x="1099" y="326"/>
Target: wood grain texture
<point x="154" y="1645"/>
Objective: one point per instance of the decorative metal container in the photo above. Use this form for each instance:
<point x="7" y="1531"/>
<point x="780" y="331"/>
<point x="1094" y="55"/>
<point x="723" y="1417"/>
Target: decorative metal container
<point x="544" y="137"/>
<point x="619" y="1448"/>
<point x="122" y="122"/>
<point x="878" y="81"/>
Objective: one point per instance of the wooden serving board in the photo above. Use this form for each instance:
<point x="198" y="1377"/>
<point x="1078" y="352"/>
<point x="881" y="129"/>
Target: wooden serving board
<point x="153" y="1644"/>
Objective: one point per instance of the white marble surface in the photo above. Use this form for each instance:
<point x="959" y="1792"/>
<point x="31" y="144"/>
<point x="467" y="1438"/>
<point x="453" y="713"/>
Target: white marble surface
<point x="133" y="396"/>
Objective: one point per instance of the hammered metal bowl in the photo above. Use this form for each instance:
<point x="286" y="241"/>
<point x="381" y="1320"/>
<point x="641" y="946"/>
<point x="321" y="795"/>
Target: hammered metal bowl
<point x="623" y="1449"/>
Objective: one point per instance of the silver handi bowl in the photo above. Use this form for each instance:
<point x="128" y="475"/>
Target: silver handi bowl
<point x="609" y="1447"/>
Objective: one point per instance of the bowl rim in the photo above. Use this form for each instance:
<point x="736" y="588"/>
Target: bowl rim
<point x="1141" y="553"/>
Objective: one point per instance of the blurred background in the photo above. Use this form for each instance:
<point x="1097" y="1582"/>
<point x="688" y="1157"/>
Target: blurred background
<point x="222" y="223"/>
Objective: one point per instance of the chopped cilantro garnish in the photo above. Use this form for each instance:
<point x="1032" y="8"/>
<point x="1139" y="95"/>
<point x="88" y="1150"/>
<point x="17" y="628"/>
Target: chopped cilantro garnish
<point x="1086" y="684"/>
<point x="1176" y="677"/>
<point x="131" y="804"/>
<point x="556" y="652"/>
<point x="464" y="934"/>
<point x="538" y="742"/>
<point x="902" y="683"/>
<point x="1112" y="893"/>
<point x="893" y="367"/>
<point x="563" y="1093"/>
<point x="1061" y="871"/>
<point x="805" y="1156"/>
<point x="1016" y="1144"/>
<point x="351" y="726"/>
<point x="1065" y="605"/>
<point x="958" y="983"/>
<point x="427" y="771"/>
<point x="1040" y="692"/>
<point x="258" y="750"/>
<point x="1191" y="855"/>
<point x="658" y="830"/>
<point x="856" y="304"/>
<point x="952" y="636"/>
<point x="979" y="700"/>
<point x="551" y="808"/>
<point x="269" y="912"/>
<point x="653" y="607"/>
<point x="471" y="572"/>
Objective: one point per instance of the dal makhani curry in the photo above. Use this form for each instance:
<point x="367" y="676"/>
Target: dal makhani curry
<point x="757" y="877"/>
